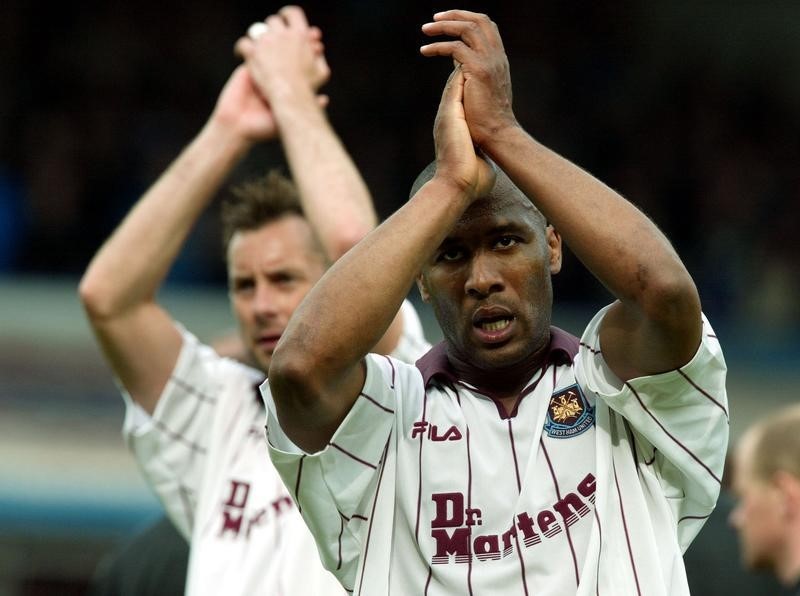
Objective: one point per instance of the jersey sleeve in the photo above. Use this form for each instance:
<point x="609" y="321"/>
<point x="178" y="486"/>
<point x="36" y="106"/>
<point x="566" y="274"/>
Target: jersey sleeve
<point x="335" y="488"/>
<point x="678" y="420"/>
<point x="174" y="445"/>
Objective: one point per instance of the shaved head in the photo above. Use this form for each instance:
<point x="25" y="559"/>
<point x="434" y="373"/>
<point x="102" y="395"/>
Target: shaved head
<point x="504" y="193"/>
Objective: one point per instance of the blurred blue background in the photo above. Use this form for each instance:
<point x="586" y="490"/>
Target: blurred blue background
<point x="690" y="109"/>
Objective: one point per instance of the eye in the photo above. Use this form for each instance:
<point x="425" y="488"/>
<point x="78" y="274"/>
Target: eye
<point x="450" y="255"/>
<point x="282" y="279"/>
<point x="242" y="285"/>
<point x="506" y="242"/>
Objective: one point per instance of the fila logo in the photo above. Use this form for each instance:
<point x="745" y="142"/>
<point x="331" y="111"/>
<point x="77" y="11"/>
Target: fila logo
<point x="431" y="431"/>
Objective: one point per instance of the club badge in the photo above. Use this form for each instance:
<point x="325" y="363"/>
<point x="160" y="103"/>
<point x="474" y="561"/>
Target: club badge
<point x="568" y="413"/>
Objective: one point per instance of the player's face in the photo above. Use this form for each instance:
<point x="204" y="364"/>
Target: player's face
<point x="270" y="270"/>
<point x="489" y="282"/>
<point x="758" y="515"/>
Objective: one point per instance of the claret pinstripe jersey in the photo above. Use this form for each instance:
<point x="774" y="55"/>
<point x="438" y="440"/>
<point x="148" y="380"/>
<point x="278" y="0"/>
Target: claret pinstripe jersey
<point x="590" y="486"/>
<point x="203" y="454"/>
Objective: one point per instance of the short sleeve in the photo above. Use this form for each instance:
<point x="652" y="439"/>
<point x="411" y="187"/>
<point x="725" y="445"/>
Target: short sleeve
<point x="174" y="445"/>
<point x="680" y="417"/>
<point x="334" y="488"/>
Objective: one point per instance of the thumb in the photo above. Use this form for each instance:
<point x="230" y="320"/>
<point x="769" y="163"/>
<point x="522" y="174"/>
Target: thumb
<point x="453" y="89"/>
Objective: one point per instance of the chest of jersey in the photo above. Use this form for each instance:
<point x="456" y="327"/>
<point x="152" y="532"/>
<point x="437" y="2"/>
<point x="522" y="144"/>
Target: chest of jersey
<point x="501" y="496"/>
<point x="245" y="517"/>
<point x="249" y="497"/>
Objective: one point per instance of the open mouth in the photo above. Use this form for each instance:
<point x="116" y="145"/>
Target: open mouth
<point x="267" y="342"/>
<point x="493" y="325"/>
<point x="497" y="324"/>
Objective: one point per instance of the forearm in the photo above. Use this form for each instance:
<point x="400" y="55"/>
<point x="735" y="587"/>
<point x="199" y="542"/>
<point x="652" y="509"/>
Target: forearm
<point x="315" y="369"/>
<point x="335" y="198"/>
<point x="316" y="372"/>
<point x="133" y="262"/>
<point x="350" y="308"/>
<point x="614" y="239"/>
<point x="656" y="325"/>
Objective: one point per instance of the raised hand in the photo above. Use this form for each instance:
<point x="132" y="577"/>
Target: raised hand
<point x="456" y="159"/>
<point x="477" y="47"/>
<point x="242" y="110"/>
<point x="286" y="57"/>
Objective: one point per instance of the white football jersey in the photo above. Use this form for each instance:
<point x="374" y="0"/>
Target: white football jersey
<point x="203" y="452"/>
<point x="590" y="486"/>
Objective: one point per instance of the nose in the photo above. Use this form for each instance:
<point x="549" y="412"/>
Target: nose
<point x="484" y="276"/>
<point x="267" y="302"/>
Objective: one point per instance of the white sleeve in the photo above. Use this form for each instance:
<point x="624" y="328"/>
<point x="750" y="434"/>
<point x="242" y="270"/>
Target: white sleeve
<point x="172" y="447"/>
<point x="679" y="419"/>
<point x="334" y="488"/>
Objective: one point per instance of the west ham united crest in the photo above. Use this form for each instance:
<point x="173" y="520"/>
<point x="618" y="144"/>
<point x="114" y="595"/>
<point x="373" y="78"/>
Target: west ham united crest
<point x="568" y="413"/>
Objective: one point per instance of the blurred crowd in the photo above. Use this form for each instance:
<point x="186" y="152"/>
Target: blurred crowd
<point x="97" y="98"/>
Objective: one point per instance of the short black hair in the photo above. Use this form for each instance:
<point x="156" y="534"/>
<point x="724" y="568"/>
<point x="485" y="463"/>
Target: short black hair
<point x="502" y="184"/>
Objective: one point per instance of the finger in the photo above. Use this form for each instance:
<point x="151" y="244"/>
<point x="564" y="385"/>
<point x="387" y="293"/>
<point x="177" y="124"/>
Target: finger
<point x="244" y="47"/>
<point x="322" y="73"/>
<point x="453" y="89"/>
<point x="461" y="15"/>
<point x="257" y="29"/>
<point x="469" y="32"/>
<point x="275" y="22"/>
<point x="294" y="17"/>
<point x="314" y="33"/>
<point x="457" y="50"/>
<point x="318" y="48"/>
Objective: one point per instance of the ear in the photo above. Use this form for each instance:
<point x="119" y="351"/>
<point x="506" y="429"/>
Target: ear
<point x="554" y="248"/>
<point x="423" y="288"/>
<point x="789" y="487"/>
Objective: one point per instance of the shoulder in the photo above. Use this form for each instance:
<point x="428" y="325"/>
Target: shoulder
<point x="195" y="351"/>
<point x="202" y="372"/>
